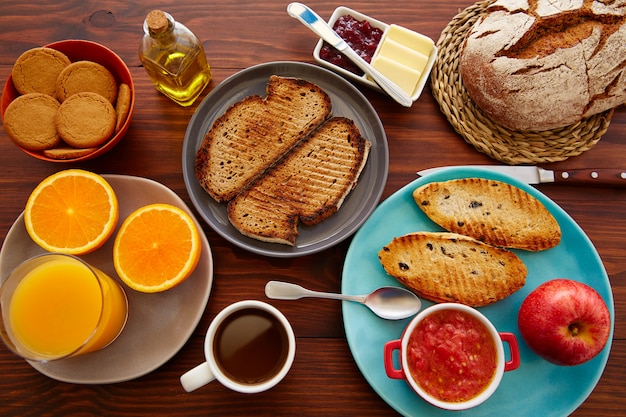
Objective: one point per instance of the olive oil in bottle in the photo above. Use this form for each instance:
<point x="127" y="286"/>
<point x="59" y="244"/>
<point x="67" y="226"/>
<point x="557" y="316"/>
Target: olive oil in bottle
<point x="173" y="58"/>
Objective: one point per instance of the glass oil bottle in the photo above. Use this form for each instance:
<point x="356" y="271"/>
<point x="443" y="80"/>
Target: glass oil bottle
<point x="174" y="58"/>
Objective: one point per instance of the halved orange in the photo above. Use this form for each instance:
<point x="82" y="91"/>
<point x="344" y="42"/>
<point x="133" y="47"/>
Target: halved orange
<point x="157" y="247"/>
<point x="73" y="211"/>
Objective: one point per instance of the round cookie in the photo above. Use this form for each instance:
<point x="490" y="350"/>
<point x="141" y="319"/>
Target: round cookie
<point x="85" y="120"/>
<point x="29" y="121"/>
<point x="37" y="70"/>
<point x="65" y="152"/>
<point x="122" y="106"/>
<point x="83" y="76"/>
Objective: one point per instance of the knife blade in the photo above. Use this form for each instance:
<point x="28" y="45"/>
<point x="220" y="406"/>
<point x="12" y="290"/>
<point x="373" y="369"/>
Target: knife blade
<point x="606" y="177"/>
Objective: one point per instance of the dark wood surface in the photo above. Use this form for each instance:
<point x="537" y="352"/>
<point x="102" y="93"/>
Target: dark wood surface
<point x="237" y="34"/>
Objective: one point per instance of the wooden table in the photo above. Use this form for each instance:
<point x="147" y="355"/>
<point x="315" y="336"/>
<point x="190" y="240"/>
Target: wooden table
<point x="237" y="34"/>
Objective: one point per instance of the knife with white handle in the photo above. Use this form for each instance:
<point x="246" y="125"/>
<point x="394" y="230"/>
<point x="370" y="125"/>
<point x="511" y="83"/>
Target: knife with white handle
<point x="311" y="20"/>
<point x="606" y="177"/>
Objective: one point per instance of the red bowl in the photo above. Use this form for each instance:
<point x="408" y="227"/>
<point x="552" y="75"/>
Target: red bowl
<point x="77" y="50"/>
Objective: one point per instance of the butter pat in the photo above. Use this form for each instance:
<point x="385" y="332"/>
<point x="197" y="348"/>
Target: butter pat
<point x="411" y="39"/>
<point x="403" y="56"/>
<point x="403" y="76"/>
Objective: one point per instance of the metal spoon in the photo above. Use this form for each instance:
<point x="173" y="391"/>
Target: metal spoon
<point x="390" y="303"/>
<point x="318" y="25"/>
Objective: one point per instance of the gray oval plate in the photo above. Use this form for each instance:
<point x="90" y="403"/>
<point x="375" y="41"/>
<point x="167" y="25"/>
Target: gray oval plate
<point x="158" y="324"/>
<point x="347" y="101"/>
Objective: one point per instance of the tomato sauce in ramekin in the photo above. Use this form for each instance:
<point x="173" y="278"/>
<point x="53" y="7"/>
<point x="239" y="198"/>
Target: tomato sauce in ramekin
<point x="452" y="356"/>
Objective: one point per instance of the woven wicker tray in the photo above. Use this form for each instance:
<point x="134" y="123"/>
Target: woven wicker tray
<point x="508" y="146"/>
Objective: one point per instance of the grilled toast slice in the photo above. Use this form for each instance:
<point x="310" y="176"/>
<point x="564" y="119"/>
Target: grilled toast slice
<point x="491" y="211"/>
<point x="256" y="132"/>
<point x="447" y="267"/>
<point x="307" y="185"/>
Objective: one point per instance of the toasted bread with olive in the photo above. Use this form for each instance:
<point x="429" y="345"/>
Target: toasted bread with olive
<point x="448" y="267"/>
<point x="491" y="211"/>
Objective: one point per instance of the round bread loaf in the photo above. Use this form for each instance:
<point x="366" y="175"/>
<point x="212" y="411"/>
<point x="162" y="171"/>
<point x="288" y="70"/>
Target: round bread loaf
<point x="545" y="64"/>
<point x="29" y="121"/>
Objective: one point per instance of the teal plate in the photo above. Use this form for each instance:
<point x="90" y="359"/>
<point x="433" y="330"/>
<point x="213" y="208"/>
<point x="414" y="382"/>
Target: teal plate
<point x="536" y="388"/>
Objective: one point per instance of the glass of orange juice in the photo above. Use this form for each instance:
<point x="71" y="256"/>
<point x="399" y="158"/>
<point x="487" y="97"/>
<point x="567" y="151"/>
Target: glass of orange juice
<point x="54" y="306"/>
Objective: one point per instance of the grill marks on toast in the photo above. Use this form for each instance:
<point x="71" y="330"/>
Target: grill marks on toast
<point x="281" y="161"/>
<point x="255" y="132"/>
<point x="448" y="267"/>
<point x="491" y="211"/>
<point x="308" y="185"/>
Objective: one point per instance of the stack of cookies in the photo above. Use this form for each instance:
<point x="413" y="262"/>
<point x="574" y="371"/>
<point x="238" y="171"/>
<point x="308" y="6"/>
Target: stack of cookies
<point x="66" y="109"/>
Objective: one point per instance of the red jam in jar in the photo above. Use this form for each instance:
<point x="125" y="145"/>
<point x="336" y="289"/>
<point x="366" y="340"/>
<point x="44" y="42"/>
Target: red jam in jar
<point x="360" y="35"/>
<point x="452" y="356"/>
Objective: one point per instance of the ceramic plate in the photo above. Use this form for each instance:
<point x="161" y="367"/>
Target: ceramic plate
<point x="540" y="388"/>
<point x="158" y="324"/>
<point x="364" y="79"/>
<point x="347" y="101"/>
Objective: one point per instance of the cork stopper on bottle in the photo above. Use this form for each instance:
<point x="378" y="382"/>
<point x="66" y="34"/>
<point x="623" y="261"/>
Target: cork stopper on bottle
<point x="157" y="21"/>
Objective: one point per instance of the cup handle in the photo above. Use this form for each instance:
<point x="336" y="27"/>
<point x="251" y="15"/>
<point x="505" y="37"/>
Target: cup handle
<point x="511" y="340"/>
<point x="392" y="372"/>
<point x="197" y="377"/>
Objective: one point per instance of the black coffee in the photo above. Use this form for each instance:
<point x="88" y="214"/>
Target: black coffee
<point x="250" y="346"/>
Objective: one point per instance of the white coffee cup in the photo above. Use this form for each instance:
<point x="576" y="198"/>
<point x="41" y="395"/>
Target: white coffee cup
<point x="252" y="325"/>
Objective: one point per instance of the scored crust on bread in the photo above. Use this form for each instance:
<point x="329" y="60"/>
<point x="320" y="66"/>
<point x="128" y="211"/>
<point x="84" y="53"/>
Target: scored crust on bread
<point x="306" y="186"/>
<point x="491" y="211"/>
<point x="546" y="64"/>
<point x="255" y="132"/>
<point x="448" y="267"/>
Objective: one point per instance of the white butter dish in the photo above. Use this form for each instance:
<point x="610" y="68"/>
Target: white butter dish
<point x="389" y="65"/>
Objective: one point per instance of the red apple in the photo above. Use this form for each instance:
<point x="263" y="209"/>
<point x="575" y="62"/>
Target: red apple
<point x="564" y="321"/>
